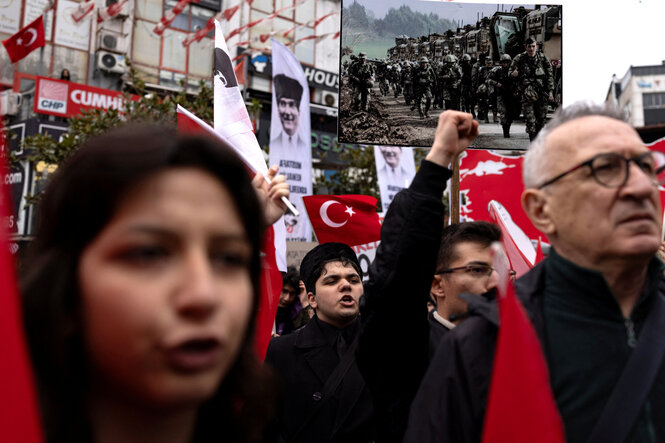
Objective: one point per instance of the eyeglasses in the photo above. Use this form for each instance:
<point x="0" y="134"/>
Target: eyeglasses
<point x="611" y="170"/>
<point x="476" y="271"/>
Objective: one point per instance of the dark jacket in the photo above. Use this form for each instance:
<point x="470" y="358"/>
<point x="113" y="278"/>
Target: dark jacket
<point x="305" y="359"/>
<point x="393" y="353"/>
<point x="436" y="333"/>
<point x="450" y="404"/>
<point x="393" y="323"/>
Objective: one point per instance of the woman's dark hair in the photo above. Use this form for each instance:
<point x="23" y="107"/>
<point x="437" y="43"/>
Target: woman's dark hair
<point x="80" y="200"/>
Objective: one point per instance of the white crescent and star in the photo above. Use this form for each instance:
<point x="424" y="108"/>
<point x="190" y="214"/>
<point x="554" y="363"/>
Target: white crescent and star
<point x="33" y="37"/>
<point x="323" y="212"/>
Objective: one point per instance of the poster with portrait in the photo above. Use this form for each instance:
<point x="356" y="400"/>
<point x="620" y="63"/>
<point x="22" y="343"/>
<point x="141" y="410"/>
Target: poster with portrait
<point x="395" y="168"/>
<point x="408" y="60"/>
<point x="290" y="135"/>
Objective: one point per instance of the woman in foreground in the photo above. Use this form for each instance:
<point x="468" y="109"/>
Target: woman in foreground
<point x="142" y="290"/>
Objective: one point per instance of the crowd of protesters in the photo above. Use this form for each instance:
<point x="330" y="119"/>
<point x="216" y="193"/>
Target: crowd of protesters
<point x="140" y="303"/>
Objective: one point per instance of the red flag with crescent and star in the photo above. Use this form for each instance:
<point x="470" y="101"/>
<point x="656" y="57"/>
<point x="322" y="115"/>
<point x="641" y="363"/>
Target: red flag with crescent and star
<point x="26" y="40"/>
<point x="349" y="219"/>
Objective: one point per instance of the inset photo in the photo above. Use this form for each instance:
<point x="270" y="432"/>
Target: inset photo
<point x="404" y="62"/>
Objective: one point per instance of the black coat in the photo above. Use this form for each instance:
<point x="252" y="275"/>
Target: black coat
<point x="451" y="402"/>
<point x="305" y="360"/>
<point x="393" y="347"/>
<point x="393" y="353"/>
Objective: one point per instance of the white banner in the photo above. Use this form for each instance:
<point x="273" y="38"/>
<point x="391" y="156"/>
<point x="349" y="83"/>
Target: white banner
<point x="35" y="8"/>
<point x="10" y="14"/>
<point x="67" y="31"/>
<point x="233" y="124"/>
<point x="395" y="168"/>
<point x="290" y="135"/>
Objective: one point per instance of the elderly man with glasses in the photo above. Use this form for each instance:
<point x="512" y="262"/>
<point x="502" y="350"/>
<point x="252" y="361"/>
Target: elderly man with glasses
<point x="597" y="302"/>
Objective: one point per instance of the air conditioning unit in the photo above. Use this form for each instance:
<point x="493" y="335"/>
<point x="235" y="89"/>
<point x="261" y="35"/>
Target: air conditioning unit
<point x="111" y="41"/>
<point x="330" y="99"/>
<point x="10" y="102"/>
<point x="124" y="11"/>
<point x="110" y="62"/>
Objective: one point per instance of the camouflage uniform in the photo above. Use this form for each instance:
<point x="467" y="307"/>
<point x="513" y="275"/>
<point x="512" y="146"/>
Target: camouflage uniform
<point x="484" y="92"/>
<point x="506" y="103"/>
<point x="382" y="78"/>
<point x="534" y="83"/>
<point x="407" y="83"/>
<point x="424" y="80"/>
<point x="451" y="77"/>
<point x="475" y="71"/>
<point x="467" y="95"/>
<point x="360" y="74"/>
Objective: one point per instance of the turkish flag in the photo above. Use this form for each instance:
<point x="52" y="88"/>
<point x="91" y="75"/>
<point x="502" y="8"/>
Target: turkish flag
<point x="349" y="219"/>
<point x="26" y="40"/>
<point x="521" y="253"/>
<point x="520" y="404"/>
<point x="19" y="416"/>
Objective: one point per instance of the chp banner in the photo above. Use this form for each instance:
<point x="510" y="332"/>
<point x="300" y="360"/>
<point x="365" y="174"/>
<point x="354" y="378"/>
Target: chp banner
<point x="68" y="99"/>
<point x="350" y="219"/>
<point x="395" y="168"/>
<point x="486" y="176"/>
<point x="290" y="134"/>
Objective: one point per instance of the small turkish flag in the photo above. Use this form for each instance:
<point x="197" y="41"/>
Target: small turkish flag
<point x="26" y="40"/>
<point x="349" y="219"/>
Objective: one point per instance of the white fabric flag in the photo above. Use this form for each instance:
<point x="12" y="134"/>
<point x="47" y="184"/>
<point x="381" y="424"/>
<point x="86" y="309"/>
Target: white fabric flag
<point x="233" y="124"/>
<point x="290" y="135"/>
<point x="395" y="169"/>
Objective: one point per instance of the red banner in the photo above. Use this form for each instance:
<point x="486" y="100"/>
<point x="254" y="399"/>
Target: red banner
<point x="67" y="99"/>
<point x="487" y="176"/>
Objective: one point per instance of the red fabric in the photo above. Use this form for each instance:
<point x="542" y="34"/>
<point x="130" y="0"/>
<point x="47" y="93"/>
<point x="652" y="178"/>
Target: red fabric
<point x="240" y="72"/>
<point x="111" y="11"/>
<point x="486" y="176"/>
<point x="520" y="406"/>
<point x="26" y="40"/>
<point x="230" y="12"/>
<point x="349" y="219"/>
<point x="271" y="287"/>
<point x="539" y="252"/>
<point x="518" y="261"/>
<point x="19" y="419"/>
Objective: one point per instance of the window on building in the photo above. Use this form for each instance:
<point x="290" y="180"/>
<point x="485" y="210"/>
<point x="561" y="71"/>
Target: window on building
<point x="653" y="100"/>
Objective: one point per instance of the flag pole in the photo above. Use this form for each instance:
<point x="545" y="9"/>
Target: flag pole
<point x="454" y="192"/>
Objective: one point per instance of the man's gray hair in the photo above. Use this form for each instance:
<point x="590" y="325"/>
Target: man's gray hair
<point x="537" y="159"/>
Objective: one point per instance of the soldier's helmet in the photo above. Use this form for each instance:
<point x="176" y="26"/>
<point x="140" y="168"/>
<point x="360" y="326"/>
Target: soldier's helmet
<point x="450" y="58"/>
<point x="506" y="58"/>
<point x="362" y="55"/>
<point x="424" y="60"/>
<point x="466" y="57"/>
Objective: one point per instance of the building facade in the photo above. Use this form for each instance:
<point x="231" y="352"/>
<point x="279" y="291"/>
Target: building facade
<point x="98" y="55"/>
<point x="641" y="94"/>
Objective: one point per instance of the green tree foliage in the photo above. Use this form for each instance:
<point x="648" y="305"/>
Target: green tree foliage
<point x="355" y="16"/>
<point x="358" y="178"/>
<point x="140" y="106"/>
<point x="412" y="23"/>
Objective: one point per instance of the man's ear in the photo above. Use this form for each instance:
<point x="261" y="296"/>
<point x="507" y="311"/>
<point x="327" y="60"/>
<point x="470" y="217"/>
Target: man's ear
<point x="312" y="299"/>
<point x="437" y="288"/>
<point x="536" y="205"/>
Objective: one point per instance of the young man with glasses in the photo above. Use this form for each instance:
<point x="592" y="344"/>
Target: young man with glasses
<point x="592" y="188"/>
<point x="464" y="266"/>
